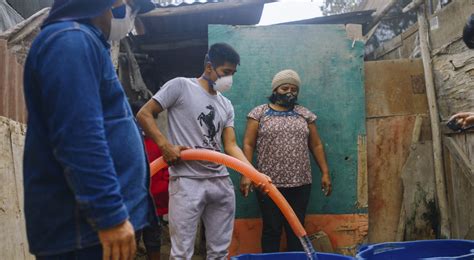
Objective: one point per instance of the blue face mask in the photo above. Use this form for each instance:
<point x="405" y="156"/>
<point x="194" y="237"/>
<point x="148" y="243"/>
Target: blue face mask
<point x="119" y="12"/>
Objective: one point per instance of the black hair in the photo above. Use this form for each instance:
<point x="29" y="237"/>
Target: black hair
<point x="468" y="33"/>
<point x="220" y="53"/>
<point x="136" y="106"/>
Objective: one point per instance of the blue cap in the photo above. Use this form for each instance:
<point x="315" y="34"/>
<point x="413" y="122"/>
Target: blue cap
<point x="69" y="10"/>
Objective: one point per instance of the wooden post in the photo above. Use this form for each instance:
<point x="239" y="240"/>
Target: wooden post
<point x="377" y="17"/>
<point x="434" y="116"/>
<point x="412" y="5"/>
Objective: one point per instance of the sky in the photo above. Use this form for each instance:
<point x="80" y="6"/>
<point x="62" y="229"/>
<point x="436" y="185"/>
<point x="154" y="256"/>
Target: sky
<point x="290" y="10"/>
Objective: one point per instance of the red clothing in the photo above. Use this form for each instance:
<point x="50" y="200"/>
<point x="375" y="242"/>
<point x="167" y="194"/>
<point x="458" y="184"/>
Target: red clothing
<point x="159" y="182"/>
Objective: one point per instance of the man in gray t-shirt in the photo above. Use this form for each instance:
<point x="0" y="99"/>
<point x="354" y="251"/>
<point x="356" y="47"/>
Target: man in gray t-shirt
<point x="196" y="119"/>
<point x="199" y="116"/>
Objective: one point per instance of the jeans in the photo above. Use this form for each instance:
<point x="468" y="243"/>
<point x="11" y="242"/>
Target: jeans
<point x="273" y="219"/>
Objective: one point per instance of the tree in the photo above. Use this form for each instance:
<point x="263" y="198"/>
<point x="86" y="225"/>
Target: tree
<point x="331" y="7"/>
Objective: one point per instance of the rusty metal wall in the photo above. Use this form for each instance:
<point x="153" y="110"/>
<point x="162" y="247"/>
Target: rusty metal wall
<point x="394" y="96"/>
<point x="12" y="104"/>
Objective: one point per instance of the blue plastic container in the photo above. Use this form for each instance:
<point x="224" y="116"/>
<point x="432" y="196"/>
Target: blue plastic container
<point x="290" y="256"/>
<point x="423" y="249"/>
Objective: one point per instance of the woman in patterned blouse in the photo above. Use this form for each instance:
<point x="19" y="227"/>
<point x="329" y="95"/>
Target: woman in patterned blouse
<point x="283" y="134"/>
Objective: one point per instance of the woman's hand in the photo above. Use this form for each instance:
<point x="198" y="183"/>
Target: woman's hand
<point x="326" y="184"/>
<point x="245" y="186"/>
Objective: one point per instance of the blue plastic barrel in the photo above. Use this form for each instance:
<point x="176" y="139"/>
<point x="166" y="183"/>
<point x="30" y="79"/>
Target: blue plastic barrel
<point x="290" y="256"/>
<point x="423" y="249"/>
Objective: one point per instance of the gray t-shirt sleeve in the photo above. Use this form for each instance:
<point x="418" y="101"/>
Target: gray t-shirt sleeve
<point x="169" y="93"/>
<point x="230" y="115"/>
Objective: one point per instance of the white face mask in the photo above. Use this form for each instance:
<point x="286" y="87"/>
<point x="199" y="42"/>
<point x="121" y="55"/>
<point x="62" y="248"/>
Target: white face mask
<point x="223" y="84"/>
<point x="120" y="27"/>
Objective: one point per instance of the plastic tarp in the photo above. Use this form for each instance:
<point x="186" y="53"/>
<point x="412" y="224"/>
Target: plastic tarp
<point x="8" y="16"/>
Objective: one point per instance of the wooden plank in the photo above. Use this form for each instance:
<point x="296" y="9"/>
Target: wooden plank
<point x="354" y="32"/>
<point x="460" y="186"/>
<point x="470" y="147"/>
<point x="461" y="159"/>
<point x="12" y="104"/>
<point x="419" y="193"/>
<point x="388" y="47"/>
<point x="12" y="85"/>
<point x="463" y="190"/>
<point x="403" y="211"/>
<point x="415" y="137"/>
<point x="3" y="78"/>
<point x="21" y="105"/>
<point x="411" y="6"/>
<point x="451" y="20"/>
<point x="425" y="47"/>
<point x="362" y="185"/>
<point x="395" y="87"/>
<point x="388" y="146"/>
<point x="448" y="165"/>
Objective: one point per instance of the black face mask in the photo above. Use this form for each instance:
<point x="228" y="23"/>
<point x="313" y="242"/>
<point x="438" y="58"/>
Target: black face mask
<point x="285" y="100"/>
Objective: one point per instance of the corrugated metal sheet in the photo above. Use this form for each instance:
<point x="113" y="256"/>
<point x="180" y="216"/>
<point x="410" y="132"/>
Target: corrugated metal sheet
<point x="12" y="103"/>
<point x="8" y="16"/>
<point x="358" y="17"/>
<point x="189" y="23"/>
<point x="175" y="3"/>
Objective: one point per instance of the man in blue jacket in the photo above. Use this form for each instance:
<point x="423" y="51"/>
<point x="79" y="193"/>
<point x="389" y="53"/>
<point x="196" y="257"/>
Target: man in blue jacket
<point x="86" y="178"/>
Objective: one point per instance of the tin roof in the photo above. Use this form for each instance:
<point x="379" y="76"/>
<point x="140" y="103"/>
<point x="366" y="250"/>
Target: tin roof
<point x="176" y="3"/>
<point x="187" y="24"/>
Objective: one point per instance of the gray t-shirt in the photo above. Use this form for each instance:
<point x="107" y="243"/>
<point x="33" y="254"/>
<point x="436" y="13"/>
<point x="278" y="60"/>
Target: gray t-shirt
<point x="195" y="119"/>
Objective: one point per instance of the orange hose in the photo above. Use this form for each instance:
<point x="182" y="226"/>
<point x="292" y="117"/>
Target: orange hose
<point x="244" y="169"/>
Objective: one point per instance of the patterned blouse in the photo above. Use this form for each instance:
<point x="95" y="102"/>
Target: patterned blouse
<point x="282" y="144"/>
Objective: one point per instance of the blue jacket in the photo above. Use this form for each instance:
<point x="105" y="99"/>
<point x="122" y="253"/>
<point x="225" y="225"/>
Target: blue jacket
<point x="85" y="167"/>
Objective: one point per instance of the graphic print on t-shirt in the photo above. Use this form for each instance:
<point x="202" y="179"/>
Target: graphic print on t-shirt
<point x="207" y="119"/>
